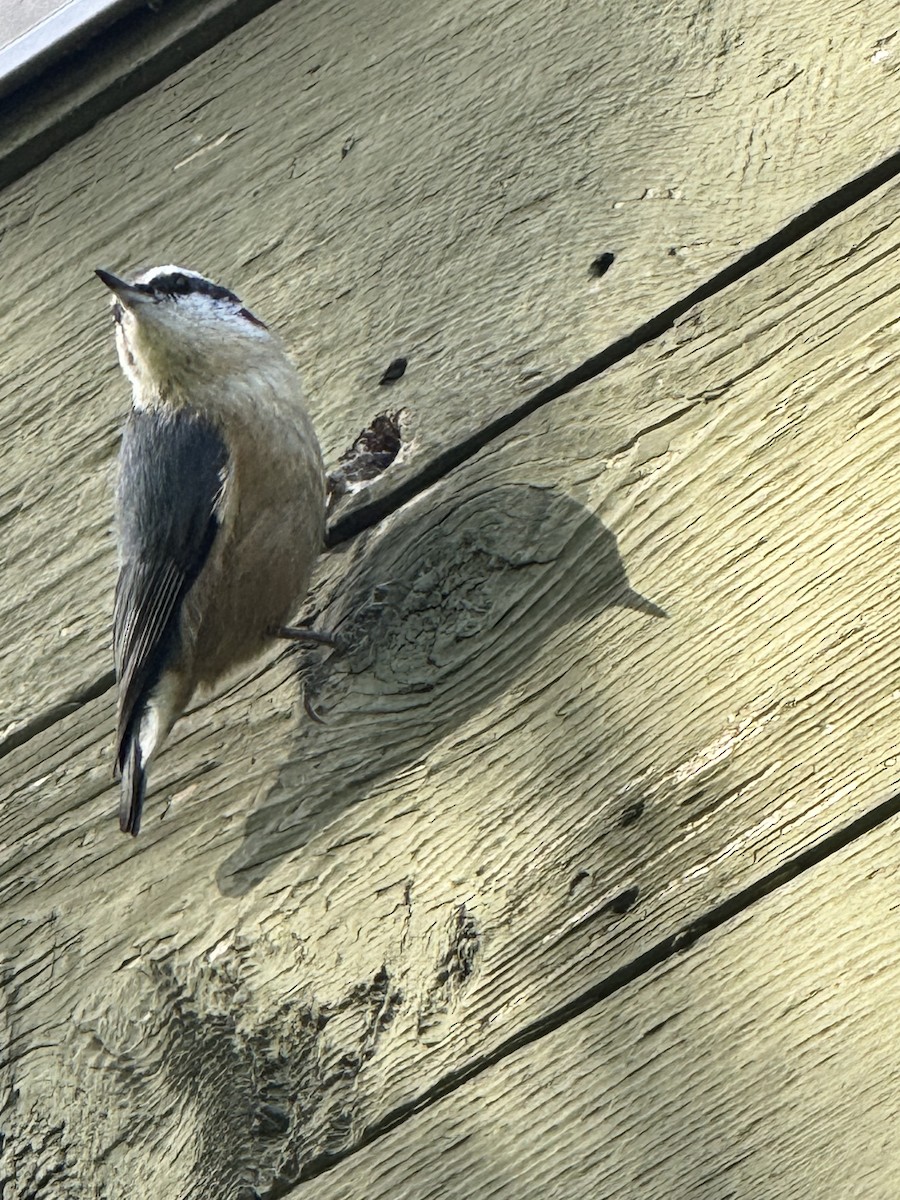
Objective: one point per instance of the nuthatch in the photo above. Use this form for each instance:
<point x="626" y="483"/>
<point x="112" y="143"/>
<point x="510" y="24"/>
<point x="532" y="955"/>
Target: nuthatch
<point x="221" y="501"/>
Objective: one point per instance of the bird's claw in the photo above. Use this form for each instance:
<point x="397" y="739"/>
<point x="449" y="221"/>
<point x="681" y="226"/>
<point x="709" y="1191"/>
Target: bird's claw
<point x="313" y="637"/>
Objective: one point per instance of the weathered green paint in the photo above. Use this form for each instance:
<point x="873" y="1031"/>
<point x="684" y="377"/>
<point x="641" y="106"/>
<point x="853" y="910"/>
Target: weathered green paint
<point x="758" y="1064"/>
<point x="526" y="778"/>
<point x="497" y="151"/>
<point x="328" y="920"/>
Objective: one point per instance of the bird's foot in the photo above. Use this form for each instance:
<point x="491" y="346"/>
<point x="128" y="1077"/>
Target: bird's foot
<point x="313" y="637"/>
<point x="312" y="712"/>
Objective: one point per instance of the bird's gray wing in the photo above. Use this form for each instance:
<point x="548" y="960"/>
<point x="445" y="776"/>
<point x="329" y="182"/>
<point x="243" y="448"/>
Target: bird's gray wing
<point x="172" y="469"/>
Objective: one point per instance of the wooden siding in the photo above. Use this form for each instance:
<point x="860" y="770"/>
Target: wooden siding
<point x="612" y="686"/>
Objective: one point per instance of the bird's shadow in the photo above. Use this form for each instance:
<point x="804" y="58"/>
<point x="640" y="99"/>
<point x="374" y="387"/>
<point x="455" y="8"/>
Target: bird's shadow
<point x="441" y="609"/>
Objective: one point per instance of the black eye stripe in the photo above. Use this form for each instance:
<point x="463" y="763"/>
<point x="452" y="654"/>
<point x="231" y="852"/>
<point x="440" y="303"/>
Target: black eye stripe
<point x="177" y="284"/>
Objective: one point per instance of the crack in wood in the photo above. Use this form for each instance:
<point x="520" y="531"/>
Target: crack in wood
<point x="40" y="722"/>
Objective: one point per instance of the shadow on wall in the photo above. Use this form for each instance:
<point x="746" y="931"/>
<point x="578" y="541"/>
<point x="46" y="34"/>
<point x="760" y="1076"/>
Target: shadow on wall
<point x="442" y="608"/>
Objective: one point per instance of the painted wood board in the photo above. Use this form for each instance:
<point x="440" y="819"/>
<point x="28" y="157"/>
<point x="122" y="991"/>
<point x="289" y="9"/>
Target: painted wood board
<point x="426" y="180"/>
<point x="760" y="1063"/>
<point x="526" y="777"/>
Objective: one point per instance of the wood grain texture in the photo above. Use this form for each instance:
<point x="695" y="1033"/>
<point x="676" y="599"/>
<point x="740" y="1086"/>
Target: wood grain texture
<point x="758" y="1064"/>
<point x="526" y="778"/>
<point x="491" y="154"/>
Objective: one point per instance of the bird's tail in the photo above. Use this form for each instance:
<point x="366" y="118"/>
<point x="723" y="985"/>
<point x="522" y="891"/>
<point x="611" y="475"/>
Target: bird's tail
<point x="134" y="787"/>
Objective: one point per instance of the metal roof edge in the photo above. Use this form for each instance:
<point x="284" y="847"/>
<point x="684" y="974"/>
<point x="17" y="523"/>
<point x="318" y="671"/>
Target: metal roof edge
<point x="101" y="64"/>
<point x="58" y="35"/>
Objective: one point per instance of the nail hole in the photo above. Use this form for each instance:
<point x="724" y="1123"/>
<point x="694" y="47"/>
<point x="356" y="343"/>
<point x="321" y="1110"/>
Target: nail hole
<point x="624" y="901"/>
<point x="394" y="371"/>
<point x="602" y="263"/>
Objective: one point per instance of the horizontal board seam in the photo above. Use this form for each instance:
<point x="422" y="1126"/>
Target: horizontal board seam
<point x="365" y="515"/>
<point x="685" y="937"/>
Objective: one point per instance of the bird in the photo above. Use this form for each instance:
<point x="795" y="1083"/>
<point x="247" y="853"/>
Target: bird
<point x="220" y="504"/>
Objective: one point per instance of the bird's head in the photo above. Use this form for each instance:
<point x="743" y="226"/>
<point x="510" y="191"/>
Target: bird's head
<point x="173" y="324"/>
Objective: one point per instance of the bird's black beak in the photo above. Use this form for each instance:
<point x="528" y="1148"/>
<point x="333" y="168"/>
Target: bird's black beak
<point x="127" y="293"/>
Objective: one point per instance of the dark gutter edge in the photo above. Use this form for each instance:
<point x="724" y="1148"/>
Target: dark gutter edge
<point x="41" y="48"/>
<point x="65" y="97"/>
